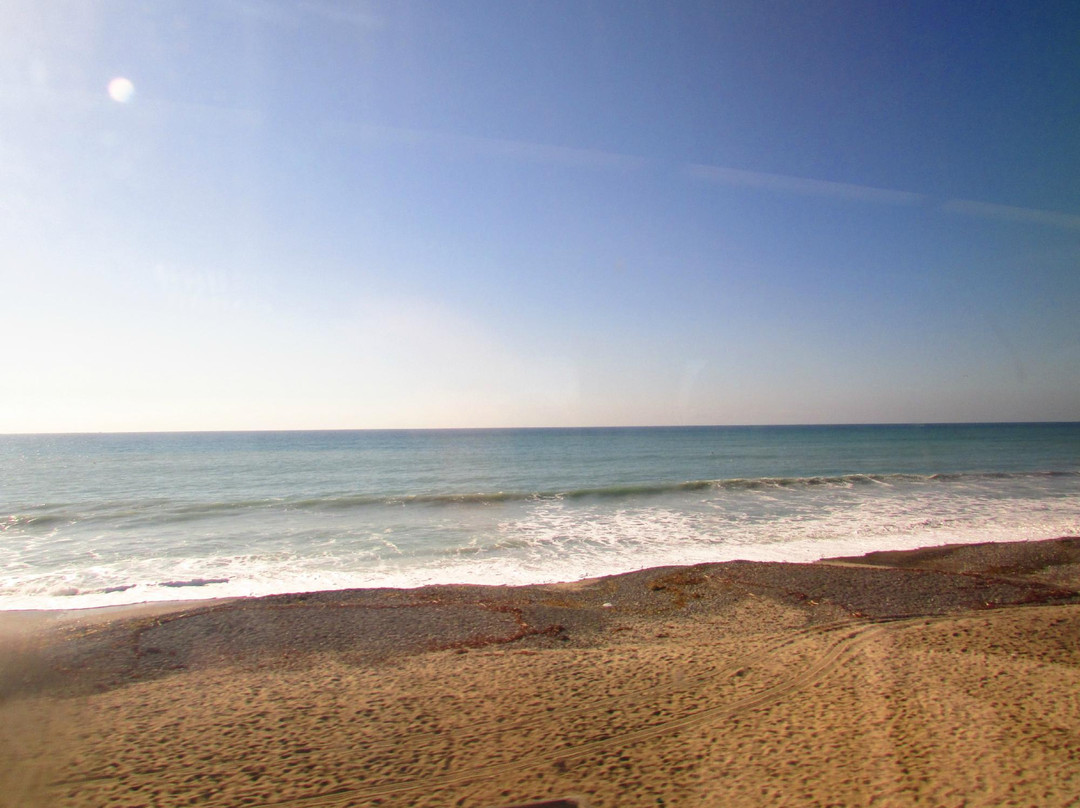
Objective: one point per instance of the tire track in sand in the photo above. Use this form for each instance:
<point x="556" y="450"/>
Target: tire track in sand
<point x="840" y="649"/>
<point x="468" y="730"/>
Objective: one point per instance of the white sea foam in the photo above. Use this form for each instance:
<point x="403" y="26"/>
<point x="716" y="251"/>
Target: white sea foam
<point x="544" y="540"/>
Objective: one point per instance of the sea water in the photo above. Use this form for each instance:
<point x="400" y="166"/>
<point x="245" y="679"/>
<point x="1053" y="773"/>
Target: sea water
<point x="92" y="520"/>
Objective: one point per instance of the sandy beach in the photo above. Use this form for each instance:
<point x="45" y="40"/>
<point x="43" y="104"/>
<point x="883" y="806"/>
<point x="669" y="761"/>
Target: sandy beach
<point x="946" y="677"/>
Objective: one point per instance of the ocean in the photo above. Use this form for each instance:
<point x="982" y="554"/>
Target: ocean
<point x="108" y="519"/>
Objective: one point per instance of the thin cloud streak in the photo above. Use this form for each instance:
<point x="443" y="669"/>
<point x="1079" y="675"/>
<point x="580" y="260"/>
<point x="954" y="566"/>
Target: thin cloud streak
<point x="498" y="147"/>
<point x="1009" y="213"/>
<point x="720" y="175"/>
<point x="782" y="183"/>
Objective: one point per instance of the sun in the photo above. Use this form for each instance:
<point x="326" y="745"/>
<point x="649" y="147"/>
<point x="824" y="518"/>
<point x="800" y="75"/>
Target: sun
<point x="121" y="90"/>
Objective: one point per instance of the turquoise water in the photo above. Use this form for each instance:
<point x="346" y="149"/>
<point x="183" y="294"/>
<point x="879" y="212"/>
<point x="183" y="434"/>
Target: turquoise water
<point x="89" y="520"/>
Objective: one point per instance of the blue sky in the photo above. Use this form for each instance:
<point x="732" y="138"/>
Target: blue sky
<point x="363" y="215"/>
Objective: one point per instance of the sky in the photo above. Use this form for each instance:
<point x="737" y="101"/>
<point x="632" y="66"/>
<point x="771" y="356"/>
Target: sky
<point x="259" y="214"/>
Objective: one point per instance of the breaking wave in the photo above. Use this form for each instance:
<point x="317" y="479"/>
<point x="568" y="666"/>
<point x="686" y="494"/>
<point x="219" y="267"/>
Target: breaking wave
<point x="132" y="513"/>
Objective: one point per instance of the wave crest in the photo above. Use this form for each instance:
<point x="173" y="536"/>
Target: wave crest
<point x="171" y="511"/>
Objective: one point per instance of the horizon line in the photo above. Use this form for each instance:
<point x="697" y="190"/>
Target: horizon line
<point x="613" y="427"/>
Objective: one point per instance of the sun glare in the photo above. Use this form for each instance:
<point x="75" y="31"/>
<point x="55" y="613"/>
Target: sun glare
<point x="121" y="90"/>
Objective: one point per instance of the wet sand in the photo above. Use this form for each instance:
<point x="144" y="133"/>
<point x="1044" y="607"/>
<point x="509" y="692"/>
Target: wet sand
<point x="945" y="676"/>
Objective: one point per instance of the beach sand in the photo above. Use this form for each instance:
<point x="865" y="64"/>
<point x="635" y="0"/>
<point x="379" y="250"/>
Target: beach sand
<point x="945" y="677"/>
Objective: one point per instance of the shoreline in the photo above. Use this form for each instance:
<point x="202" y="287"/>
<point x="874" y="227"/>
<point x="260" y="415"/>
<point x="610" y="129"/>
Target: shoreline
<point x="12" y="619"/>
<point x="917" y="677"/>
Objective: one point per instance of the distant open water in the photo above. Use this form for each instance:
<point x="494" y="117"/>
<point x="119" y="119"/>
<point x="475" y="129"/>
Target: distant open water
<point x="93" y="520"/>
